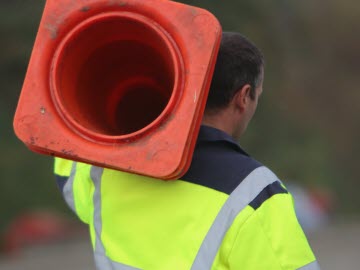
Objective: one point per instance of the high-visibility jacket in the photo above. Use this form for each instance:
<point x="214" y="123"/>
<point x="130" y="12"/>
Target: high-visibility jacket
<point x="227" y="212"/>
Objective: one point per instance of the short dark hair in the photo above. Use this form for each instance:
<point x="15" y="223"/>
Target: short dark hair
<point x="239" y="62"/>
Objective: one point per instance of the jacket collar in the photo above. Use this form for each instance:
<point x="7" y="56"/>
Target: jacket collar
<point x="210" y="134"/>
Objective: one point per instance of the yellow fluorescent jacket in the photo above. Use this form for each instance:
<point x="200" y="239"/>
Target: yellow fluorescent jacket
<point x="228" y="212"/>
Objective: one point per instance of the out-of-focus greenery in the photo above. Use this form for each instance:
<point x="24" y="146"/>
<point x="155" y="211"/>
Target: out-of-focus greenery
<point x="26" y="179"/>
<point x="306" y="128"/>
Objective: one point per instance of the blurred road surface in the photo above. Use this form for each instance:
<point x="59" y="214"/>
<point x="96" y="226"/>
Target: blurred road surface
<point x="336" y="247"/>
<point x="73" y="255"/>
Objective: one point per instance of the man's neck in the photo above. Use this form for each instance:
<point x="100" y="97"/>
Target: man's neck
<point x="220" y="121"/>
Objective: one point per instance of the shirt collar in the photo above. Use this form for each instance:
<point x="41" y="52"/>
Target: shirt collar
<point x="211" y="134"/>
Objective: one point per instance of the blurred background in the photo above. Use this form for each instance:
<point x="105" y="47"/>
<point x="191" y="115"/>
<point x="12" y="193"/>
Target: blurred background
<point x="306" y="129"/>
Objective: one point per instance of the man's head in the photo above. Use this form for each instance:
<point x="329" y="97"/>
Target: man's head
<point x="236" y="85"/>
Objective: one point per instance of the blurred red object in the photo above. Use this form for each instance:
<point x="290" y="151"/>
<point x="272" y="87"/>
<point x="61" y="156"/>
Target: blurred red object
<point x="38" y="227"/>
<point x="323" y="199"/>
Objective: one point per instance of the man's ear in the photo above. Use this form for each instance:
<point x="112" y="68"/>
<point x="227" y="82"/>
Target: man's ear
<point x="242" y="97"/>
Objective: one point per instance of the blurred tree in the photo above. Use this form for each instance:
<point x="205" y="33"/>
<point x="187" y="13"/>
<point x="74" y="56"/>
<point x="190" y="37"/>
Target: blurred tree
<point x="26" y="179"/>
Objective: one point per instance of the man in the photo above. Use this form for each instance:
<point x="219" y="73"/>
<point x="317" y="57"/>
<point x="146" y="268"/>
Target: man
<point x="227" y="212"/>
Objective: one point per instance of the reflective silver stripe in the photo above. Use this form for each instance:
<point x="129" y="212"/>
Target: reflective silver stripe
<point x="68" y="191"/>
<point x="249" y="188"/>
<point x="102" y="262"/>
<point x="311" y="266"/>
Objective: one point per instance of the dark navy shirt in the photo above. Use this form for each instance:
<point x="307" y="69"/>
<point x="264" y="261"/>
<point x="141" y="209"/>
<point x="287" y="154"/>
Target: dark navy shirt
<point x="221" y="164"/>
<point x="218" y="161"/>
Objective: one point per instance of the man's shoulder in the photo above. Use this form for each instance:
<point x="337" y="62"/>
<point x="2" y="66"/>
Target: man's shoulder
<point x="220" y="165"/>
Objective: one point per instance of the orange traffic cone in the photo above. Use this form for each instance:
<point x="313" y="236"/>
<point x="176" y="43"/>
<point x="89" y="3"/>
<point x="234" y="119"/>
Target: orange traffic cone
<point x="119" y="84"/>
